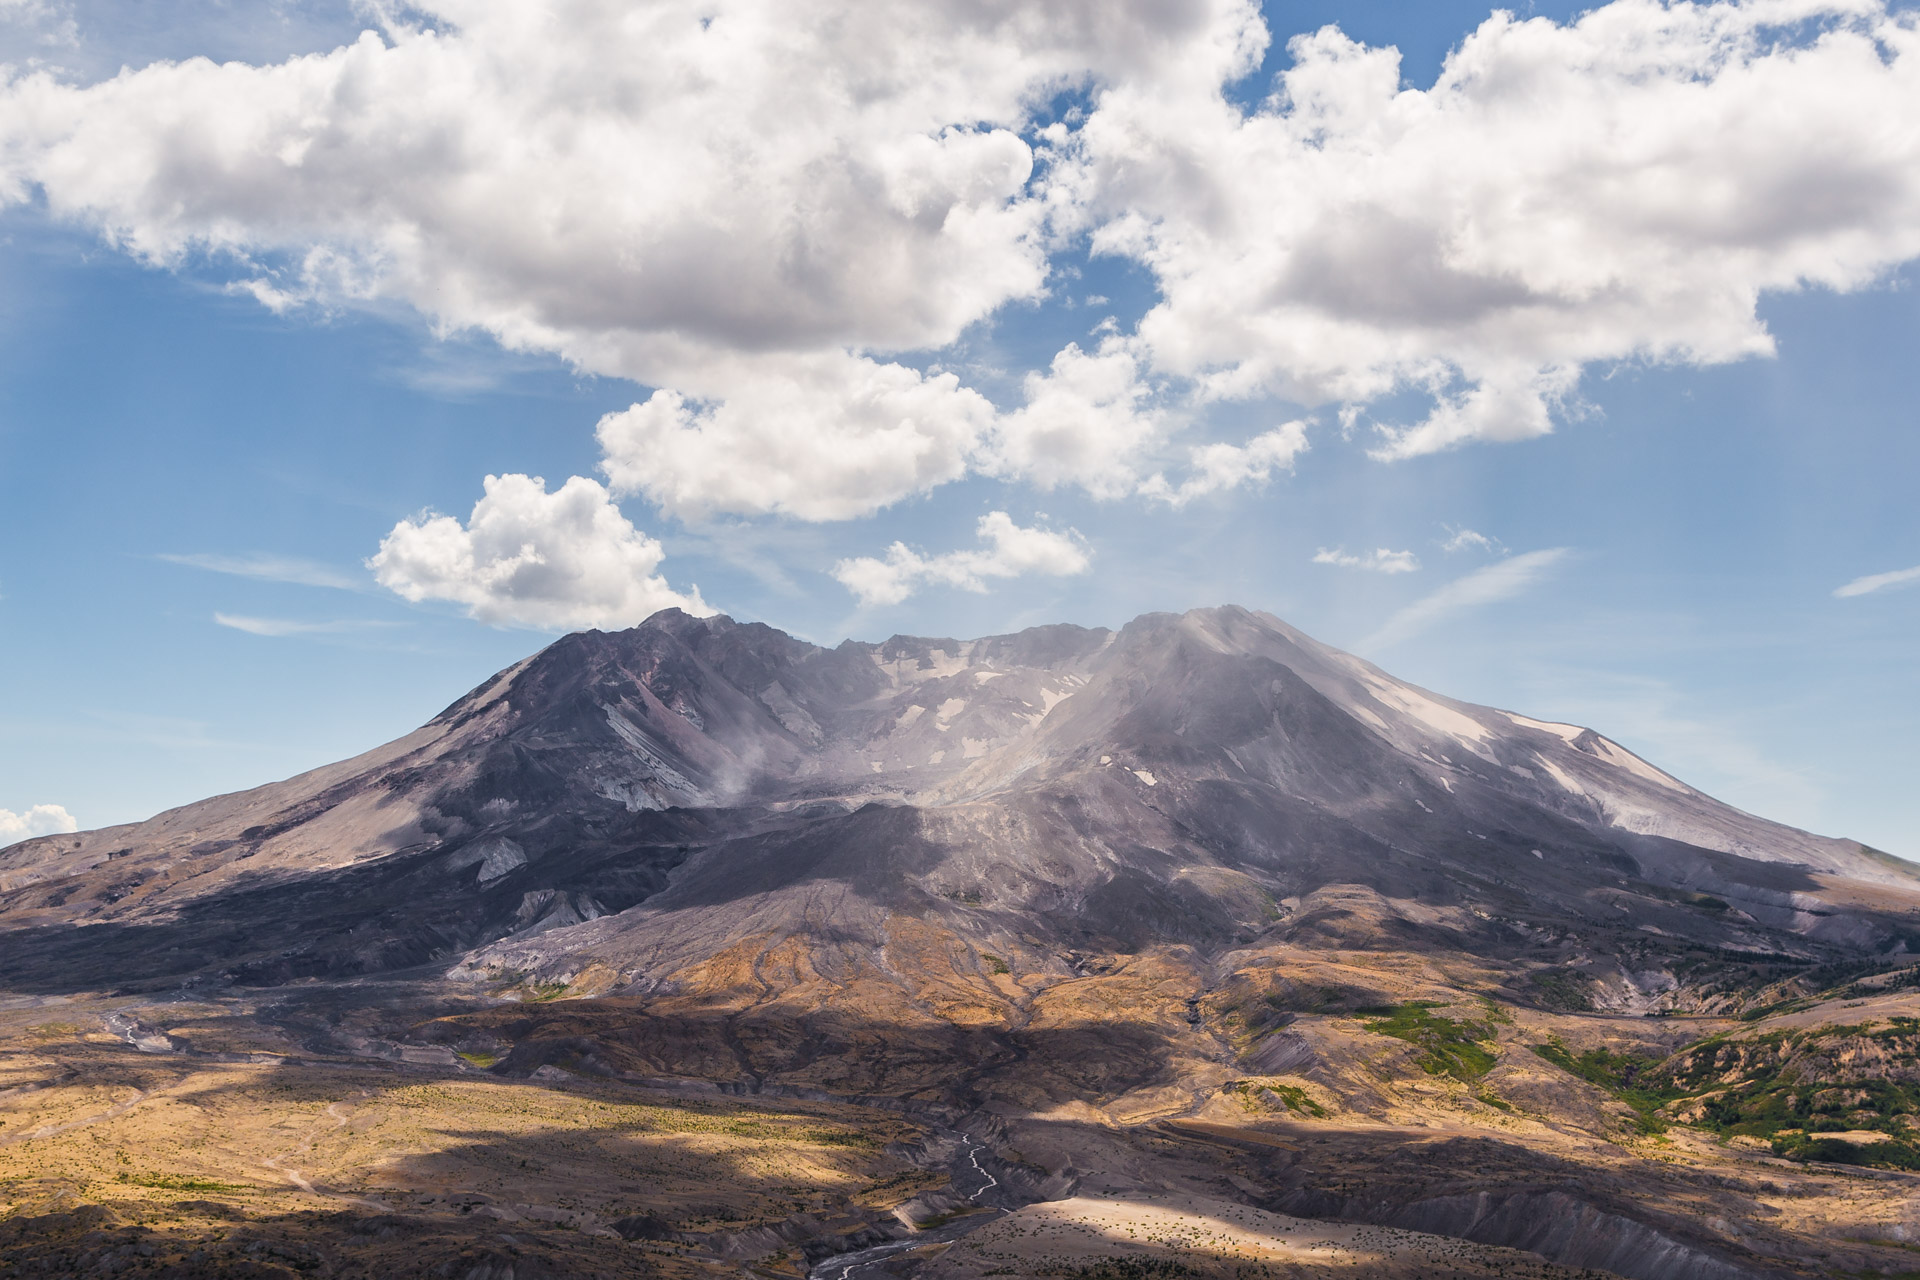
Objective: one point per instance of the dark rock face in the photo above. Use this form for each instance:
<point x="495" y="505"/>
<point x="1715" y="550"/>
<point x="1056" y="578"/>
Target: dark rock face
<point x="636" y="800"/>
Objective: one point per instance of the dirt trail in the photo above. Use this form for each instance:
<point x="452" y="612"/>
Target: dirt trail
<point x="278" y="1165"/>
<point x="49" y="1130"/>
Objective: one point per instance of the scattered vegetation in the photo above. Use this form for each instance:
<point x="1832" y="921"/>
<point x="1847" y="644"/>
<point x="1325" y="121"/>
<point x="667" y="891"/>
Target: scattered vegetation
<point x="1451" y="1047"/>
<point x="1123" y="1269"/>
<point x="1565" y="989"/>
<point x="1264" y="1093"/>
<point x="1794" y="1005"/>
<point x="481" y="1058"/>
<point x="1630" y="1077"/>
<point x="174" y="1182"/>
<point x="838" y="1138"/>
<point x="995" y="964"/>
<point x="54" y="1030"/>
<point x="1797" y="1090"/>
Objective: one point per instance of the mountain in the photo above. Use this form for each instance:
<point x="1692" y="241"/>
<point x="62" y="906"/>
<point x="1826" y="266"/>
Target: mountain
<point x="1181" y="920"/>
<point x="639" y="802"/>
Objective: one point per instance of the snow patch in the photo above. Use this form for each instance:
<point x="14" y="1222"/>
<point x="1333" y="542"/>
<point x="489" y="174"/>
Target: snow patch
<point x="936" y="757"/>
<point x="973" y="748"/>
<point x="1560" y="776"/>
<point x="939" y="665"/>
<point x="1146" y="776"/>
<point x="944" y="714"/>
<point x="1615" y="754"/>
<point x="908" y="716"/>
<point x="981" y="677"/>
<point x="1367" y="717"/>
<point x="1566" y="732"/>
<point x="1446" y="720"/>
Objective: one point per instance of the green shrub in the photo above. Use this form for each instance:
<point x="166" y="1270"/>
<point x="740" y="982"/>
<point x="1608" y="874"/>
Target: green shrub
<point x="1447" y="1046"/>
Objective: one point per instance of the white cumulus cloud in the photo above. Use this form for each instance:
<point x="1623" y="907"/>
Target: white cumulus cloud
<point x="40" y="820"/>
<point x="1878" y="582"/>
<point x="1214" y="467"/>
<point x="555" y="561"/>
<point x="1487" y="585"/>
<point x="819" y="438"/>
<point x="1380" y="560"/>
<point x="1088" y="420"/>
<point x="1010" y="552"/>
<point x="1469" y="540"/>
<point x="1625" y="186"/>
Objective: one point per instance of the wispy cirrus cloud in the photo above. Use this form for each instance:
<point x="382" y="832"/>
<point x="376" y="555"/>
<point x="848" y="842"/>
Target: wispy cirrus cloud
<point x="1488" y="585"/>
<point x="1878" y="582"/>
<point x="266" y="567"/>
<point x="292" y="627"/>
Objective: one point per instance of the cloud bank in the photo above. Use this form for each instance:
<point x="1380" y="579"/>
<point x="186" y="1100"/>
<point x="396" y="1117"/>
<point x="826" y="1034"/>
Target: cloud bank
<point x="1011" y="552"/>
<point x="782" y="221"/>
<point x="528" y="558"/>
<point x="40" y="820"/>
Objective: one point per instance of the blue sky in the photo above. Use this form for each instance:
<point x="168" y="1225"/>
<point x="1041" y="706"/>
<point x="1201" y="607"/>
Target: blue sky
<point x="1661" y="564"/>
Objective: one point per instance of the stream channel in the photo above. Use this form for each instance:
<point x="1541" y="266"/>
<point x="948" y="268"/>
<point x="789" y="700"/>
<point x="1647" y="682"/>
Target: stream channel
<point x="971" y="1179"/>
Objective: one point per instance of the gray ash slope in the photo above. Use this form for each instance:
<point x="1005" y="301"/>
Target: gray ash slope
<point x="641" y="800"/>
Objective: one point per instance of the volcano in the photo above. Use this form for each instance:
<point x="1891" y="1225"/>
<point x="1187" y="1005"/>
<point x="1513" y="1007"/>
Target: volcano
<point x="654" y="806"/>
